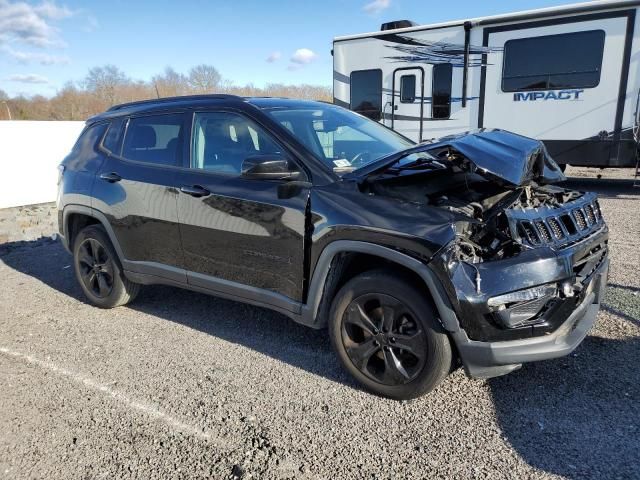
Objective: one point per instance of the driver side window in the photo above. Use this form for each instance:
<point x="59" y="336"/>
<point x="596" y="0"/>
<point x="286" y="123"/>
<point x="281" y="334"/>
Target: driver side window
<point x="223" y="140"/>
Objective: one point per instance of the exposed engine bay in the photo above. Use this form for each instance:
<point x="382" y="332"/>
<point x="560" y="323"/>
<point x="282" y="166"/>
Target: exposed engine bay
<point x="493" y="220"/>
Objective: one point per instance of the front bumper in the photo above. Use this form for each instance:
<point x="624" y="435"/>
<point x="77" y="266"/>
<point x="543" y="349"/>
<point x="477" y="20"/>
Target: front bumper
<point x="489" y="359"/>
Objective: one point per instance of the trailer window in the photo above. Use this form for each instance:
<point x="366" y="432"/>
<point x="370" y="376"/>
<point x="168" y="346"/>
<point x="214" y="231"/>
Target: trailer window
<point x="407" y="89"/>
<point x="568" y="60"/>
<point x="366" y="93"/>
<point x="441" y="91"/>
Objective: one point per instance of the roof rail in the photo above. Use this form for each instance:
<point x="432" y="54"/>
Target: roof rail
<point x="173" y="99"/>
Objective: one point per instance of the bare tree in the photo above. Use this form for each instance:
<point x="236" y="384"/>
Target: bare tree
<point x="170" y="83"/>
<point x="105" y="81"/>
<point x="204" y="78"/>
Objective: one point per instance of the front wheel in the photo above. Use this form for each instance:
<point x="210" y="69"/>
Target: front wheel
<point x="98" y="269"/>
<point x="386" y="334"/>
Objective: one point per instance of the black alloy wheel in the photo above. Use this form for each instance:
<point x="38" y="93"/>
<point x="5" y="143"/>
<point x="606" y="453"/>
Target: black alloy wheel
<point x="383" y="340"/>
<point x="385" y="331"/>
<point x="95" y="267"/>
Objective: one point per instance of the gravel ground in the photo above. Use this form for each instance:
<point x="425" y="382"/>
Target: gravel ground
<point x="180" y="384"/>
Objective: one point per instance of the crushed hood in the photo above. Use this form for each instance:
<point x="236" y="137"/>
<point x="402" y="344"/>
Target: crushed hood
<point x="504" y="157"/>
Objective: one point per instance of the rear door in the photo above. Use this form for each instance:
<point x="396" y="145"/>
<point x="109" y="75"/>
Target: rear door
<point x="239" y="232"/>
<point x="408" y="102"/>
<point x="136" y="190"/>
<point x="557" y="81"/>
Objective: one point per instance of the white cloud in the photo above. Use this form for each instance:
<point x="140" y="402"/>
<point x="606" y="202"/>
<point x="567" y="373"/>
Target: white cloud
<point x="302" y="56"/>
<point x="51" y="10"/>
<point x="30" y="24"/>
<point x="273" y="57"/>
<point x="376" y="6"/>
<point x="28" y="78"/>
<point x="26" y="58"/>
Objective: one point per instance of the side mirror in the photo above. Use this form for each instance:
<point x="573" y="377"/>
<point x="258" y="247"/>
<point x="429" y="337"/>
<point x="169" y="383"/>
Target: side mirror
<point x="268" y="167"/>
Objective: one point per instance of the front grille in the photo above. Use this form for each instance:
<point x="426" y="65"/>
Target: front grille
<point x="591" y="216"/>
<point x="543" y="231"/>
<point x="530" y="233"/>
<point x="580" y="220"/>
<point x="554" y="224"/>
<point x="557" y="226"/>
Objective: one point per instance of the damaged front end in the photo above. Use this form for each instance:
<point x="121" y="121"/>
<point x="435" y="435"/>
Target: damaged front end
<point x="525" y="253"/>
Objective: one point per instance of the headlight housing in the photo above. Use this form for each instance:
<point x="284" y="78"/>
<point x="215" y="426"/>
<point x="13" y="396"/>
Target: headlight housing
<point x="521" y="308"/>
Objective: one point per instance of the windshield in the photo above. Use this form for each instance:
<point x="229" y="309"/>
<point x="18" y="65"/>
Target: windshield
<point x="343" y="140"/>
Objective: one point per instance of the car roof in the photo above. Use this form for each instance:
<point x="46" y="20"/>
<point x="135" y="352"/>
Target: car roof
<point x="191" y="101"/>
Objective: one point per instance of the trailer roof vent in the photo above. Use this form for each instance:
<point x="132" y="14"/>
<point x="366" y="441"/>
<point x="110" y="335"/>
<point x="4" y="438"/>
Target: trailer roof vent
<point x="397" y="24"/>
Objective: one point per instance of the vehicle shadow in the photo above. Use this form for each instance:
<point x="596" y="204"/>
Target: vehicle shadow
<point x="260" y="329"/>
<point x="573" y="416"/>
<point x="578" y="416"/>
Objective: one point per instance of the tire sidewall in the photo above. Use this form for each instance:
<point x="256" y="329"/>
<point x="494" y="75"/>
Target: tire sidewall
<point x="438" y="361"/>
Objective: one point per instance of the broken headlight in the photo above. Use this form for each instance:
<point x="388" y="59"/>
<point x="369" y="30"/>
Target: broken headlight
<point x="517" y="309"/>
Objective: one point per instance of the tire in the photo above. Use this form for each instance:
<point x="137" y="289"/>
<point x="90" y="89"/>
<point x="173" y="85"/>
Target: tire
<point x="98" y="269"/>
<point x="396" y="315"/>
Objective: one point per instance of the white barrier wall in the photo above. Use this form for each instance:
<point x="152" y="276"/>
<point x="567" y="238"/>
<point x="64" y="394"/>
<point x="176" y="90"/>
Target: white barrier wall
<point x="30" y="153"/>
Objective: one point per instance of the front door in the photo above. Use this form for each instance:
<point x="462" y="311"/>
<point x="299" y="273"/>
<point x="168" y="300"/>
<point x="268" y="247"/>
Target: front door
<point x="236" y="231"/>
<point x="408" y="102"/>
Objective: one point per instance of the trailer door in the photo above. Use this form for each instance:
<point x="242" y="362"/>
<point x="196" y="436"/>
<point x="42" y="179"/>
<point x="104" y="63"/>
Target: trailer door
<point x="408" y="102"/>
<point x="559" y="81"/>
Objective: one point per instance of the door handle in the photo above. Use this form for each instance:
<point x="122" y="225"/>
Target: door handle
<point x="110" y="177"/>
<point x="195" y="191"/>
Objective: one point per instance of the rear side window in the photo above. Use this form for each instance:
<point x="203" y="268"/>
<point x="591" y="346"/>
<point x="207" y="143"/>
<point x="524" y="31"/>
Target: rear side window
<point x="366" y="93"/>
<point x="441" y="91"/>
<point x="155" y="139"/>
<point x="407" y="88"/>
<point x="88" y="140"/>
<point x="568" y="60"/>
<point x="112" y="139"/>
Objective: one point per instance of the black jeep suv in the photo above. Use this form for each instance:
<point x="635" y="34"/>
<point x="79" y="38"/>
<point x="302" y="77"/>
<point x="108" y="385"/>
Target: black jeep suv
<point x="414" y="256"/>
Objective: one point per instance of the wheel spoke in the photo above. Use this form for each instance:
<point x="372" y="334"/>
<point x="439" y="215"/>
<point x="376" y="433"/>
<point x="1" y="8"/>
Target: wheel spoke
<point x="107" y="269"/>
<point x="360" y="353"/>
<point x="95" y="250"/>
<point x="103" y="286"/>
<point x="388" y="317"/>
<point x="357" y="316"/>
<point x="84" y="256"/>
<point x="394" y="371"/>
<point x="415" y="343"/>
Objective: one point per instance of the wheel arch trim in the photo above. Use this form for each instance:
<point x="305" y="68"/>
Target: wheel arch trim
<point x="309" y="314"/>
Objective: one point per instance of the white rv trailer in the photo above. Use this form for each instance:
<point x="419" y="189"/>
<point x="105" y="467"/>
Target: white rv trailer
<point x="569" y="76"/>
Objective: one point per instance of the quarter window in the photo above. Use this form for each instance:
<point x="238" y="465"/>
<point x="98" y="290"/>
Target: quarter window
<point x="568" y="60"/>
<point x="407" y="89"/>
<point x="155" y="139"/>
<point x="111" y="142"/>
<point x="223" y="140"/>
<point x="441" y="91"/>
<point x="366" y="93"/>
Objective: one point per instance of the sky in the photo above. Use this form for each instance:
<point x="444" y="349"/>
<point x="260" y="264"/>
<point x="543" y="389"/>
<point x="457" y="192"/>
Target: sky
<point x="44" y="44"/>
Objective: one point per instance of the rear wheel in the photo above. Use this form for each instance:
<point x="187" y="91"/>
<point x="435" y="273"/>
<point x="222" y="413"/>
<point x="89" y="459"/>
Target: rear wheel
<point x="386" y="333"/>
<point x="98" y="269"/>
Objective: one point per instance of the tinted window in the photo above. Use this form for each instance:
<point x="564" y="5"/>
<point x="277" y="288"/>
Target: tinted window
<point x="88" y="140"/>
<point x="222" y="140"/>
<point x="570" y="60"/>
<point x="112" y="139"/>
<point x="366" y="93"/>
<point x="407" y="88"/>
<point x="155" y="139"/>
<point x="441" y="91"/>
